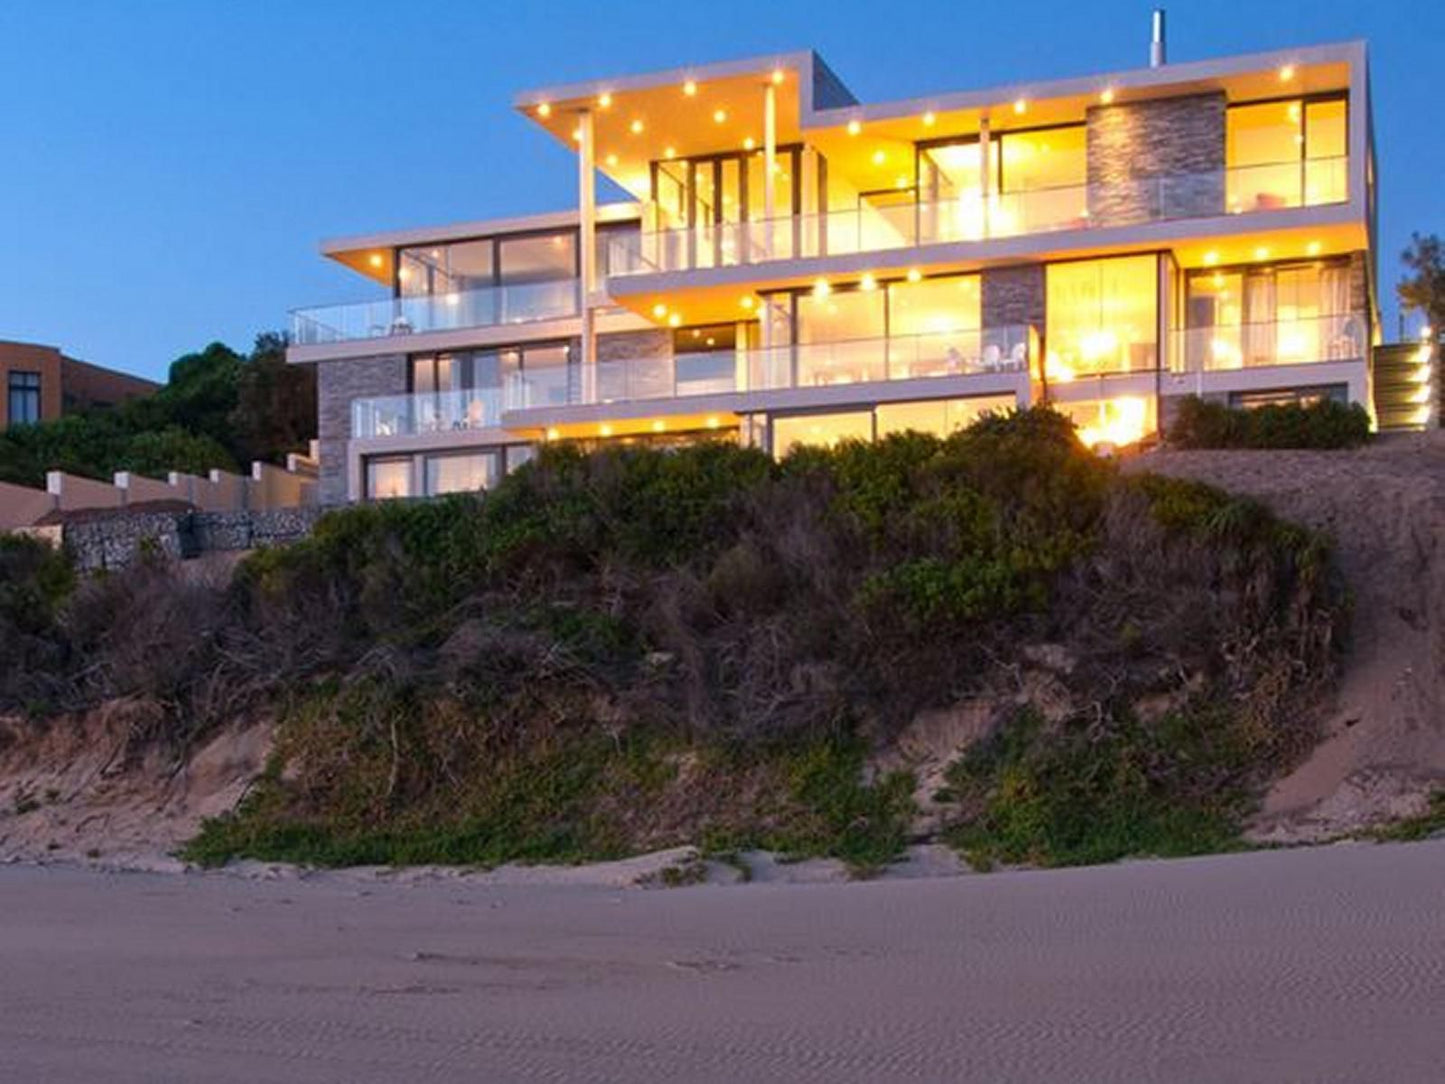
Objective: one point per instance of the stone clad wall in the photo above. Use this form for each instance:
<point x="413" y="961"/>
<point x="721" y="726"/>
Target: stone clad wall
<point x="1163" y="157"/>
<point x="1013" y="296"/>
<point x="337" y="384"/>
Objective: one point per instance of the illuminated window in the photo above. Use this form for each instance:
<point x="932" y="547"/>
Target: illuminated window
<point x="840" y="337"/>
<point x="388" y="477"/>
<point x="939" y="417"/>
<point x="461" y="472"/>
<point x="1273" y="315"/>
<point x="934" y="326"/>
<point x="1102" y="317"/>
<point x="1288" y="153"/>
<point x="825" y="430"/>
<point x="1051" y="158"/>
<point x="1115" y="422"/>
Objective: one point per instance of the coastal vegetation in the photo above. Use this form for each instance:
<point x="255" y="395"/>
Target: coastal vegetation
<point x="633" y="649"/>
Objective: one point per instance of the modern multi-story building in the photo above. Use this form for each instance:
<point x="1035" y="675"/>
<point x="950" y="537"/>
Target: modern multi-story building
<point x="42" y="383"/>
<point x="796" y="266"/>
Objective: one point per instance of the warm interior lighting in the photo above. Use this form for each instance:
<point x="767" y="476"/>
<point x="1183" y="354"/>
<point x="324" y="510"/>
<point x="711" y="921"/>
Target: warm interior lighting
<point x="674" y="320"/>
<point x="1121" y="421"/>
<point x="929" y="119"/>
<point x="605" y="429"/>
<point x="659" y="310"/>
<point x="1107" y="96"/>
<point x="915" y="275"/>
<point x="720" y="115"/>
<point x="777" y="76"/>
<point x="689" y="88"/>
<point x="604" y="100"/>
<point x="1021" y="107"/>
<point x="544" y="109"/>
<point x="1286" y="73"/>
<point x="901" y="182"/>
<point x="867" y="282"/>
<point x="1211" y="258"/>
<point x="854" y="127"/>
<point x="636" y="127"/>
<point x="375" y="259"/>
<point x="821" y="288"/>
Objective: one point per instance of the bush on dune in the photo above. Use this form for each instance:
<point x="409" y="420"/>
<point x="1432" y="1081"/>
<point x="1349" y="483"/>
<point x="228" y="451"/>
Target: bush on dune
<point x="631" y="648"/>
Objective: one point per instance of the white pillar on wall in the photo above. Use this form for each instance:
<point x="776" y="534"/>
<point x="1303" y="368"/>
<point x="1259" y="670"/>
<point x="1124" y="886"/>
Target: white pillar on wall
<point x="985" y="151"/>
<point x="770" y="163"/>
<point x="587" y="240"/>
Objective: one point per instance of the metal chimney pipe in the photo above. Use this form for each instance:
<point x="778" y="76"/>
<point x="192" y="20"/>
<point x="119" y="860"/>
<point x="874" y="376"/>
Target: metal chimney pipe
<point x="1156" y="46"/>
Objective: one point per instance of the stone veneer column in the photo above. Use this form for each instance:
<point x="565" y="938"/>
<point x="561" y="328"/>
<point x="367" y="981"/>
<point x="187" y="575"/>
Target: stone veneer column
<point x="337" y="384"/>
<point x="1158" y="158"/>
<point x="1013" y="296"/>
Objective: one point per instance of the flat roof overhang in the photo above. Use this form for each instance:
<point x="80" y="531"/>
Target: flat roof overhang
<point x="370" y="254"/>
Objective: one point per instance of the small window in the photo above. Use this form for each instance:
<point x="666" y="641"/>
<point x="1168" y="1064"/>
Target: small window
<point x="461" y="472"/>
<point x="388" y="477"/>
<point x="24" y="398"/>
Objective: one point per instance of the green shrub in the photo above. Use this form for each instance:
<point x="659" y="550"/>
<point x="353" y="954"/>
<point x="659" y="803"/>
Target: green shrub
<point x="1323" y="424"/>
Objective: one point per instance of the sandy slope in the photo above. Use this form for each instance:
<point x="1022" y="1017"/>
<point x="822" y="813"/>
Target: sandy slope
<point x="1384" y="747"/>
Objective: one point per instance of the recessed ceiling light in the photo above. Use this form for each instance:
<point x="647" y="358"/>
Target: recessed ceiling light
<point x="854" y="127"/>
<point x="928" y="119"/>
<point x="915" y="275"/>
<point x="375" y="259"/>
<point x="749" y="143"/>
<point x="604" y="100"/>
<point x="867" y="282"/>
<point x="1286" y="73"/>
<point x="720" y="115"/>
<point x="689" y="88"/>
<point x="544" y="109"/>
<point x="777" y="75"/>
<point x="1021" y="107"/>
<point x="636" y="127"/>
<point x="1107" y="96"/>
<point x="659" y="310"/>
<point x="879" y="158"/>
<point x="674" y="320"/>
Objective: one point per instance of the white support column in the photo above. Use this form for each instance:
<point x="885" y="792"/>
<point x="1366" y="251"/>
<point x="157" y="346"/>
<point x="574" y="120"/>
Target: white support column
<point x="985" y="151"/>
<point x="770" y="164"/>
<point x="587" y="239"/>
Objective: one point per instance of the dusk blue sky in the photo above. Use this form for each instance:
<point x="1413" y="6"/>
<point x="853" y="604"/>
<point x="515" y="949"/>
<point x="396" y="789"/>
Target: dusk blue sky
<point x="167" y="168"/>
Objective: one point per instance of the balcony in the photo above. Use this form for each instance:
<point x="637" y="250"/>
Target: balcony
<point x="1304" y="341"/>
<point x="429" y="412"/>
<point x="972" y="217"/>
<point x="490" y="306"/>
<point x="997" y="351"/>
<point x="1000" y="350"/>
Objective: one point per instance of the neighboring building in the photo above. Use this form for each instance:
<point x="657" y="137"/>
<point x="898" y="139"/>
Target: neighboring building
<point x="801" y="267"/>
<point x="42" y="384"/>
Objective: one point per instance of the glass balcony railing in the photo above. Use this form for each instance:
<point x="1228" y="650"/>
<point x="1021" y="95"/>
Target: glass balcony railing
<point x="428" y="412"/>
<point x="484" y="307"/>
<point x="996" y="350"/>
<point x="971" y="217"/>
<point x="1280" y="342"/>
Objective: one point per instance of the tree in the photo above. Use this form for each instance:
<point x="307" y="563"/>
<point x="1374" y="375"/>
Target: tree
<point x="1423" y="289"/>
<point x="275" y="408"/>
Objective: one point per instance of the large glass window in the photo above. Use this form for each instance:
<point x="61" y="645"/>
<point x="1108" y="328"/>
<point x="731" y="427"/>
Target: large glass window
<point x="939" y="417"/>
<point x="23" y="400"/>
<point x="824" y="430"/>
<point x="840" y="337"/>
<point x="1035" y="181"/>
<point x="933" y="326"/>
<point x="1287" y="153"/>
<point x="705" y="359"/>
<point x="1271" y="315"/>
<point x="462" y="472"/>
<point x="1102" y="317"/>
<point x="388" y="477"/>
<point x="540" y="258"/>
